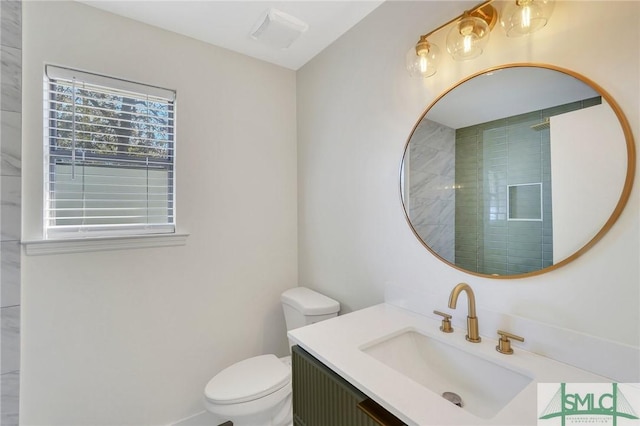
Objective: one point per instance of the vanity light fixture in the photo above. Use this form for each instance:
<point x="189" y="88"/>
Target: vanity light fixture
<point x="470" y="31"/>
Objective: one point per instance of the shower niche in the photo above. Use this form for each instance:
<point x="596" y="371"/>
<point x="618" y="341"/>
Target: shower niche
<point x="524" y="201"/>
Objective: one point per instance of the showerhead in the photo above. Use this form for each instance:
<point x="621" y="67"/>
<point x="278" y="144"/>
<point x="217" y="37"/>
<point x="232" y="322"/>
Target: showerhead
<point x="542" y="126"/>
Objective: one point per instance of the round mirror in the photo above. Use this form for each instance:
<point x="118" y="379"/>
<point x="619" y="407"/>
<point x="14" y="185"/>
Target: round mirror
<point x="517" y="170"/>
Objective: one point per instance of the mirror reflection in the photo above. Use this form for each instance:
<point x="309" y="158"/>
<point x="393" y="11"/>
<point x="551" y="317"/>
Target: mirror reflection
<point x="515" y="171"/>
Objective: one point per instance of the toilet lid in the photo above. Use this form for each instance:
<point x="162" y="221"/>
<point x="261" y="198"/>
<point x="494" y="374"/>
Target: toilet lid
<point x="247" y="380"/>
<point x="308" y="302"/>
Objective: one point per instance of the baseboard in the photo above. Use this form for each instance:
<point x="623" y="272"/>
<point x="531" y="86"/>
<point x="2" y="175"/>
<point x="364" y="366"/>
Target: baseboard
<point x="203" y="418"/>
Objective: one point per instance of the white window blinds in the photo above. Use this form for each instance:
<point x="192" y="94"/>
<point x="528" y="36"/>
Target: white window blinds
<point x="110" y="151"/>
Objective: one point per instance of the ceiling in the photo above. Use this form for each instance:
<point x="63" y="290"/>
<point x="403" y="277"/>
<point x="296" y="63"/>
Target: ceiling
<point x="229" y="24"/>
<point x="501" y="93"/>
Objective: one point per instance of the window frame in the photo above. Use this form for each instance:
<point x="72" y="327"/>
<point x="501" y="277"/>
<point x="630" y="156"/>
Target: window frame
<point x="111" y="232"/>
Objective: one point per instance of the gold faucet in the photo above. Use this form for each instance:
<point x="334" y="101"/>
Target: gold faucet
<point x="472" y="321"/>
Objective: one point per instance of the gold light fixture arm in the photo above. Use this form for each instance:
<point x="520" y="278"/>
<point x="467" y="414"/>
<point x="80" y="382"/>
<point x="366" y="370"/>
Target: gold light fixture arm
<point x="488" y="14"/>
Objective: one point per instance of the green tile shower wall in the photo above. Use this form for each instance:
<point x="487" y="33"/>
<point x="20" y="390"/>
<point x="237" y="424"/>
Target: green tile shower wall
<point x="488" y="158"/>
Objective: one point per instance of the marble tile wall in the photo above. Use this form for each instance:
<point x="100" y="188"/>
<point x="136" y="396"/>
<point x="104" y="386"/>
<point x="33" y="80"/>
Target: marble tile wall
<point x="10" y="206"/>
<point x="431" y="177"/>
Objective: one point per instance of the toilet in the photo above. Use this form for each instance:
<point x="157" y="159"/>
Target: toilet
<point x="257" y="391"/>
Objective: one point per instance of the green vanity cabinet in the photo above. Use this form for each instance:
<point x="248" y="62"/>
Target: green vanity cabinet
<point x="323" y="398"/>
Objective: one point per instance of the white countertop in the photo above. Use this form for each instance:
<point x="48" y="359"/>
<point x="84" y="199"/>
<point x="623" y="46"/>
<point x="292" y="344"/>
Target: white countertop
<point x="337" y="343"/>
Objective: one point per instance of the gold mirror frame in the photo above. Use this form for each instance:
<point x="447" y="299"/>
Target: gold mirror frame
<point x="617" y="211"/>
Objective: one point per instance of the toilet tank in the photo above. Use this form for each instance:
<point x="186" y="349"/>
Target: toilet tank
<point x="303" y="306"/>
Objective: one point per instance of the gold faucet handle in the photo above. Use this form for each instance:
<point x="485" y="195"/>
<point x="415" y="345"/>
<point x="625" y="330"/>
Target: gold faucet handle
<point x="446" y="322"/>
<point x="504" y="344"/>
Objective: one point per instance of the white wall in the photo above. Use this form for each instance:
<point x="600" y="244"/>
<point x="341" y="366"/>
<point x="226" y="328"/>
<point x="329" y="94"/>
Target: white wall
<point x="588" y="181"/>
<point x="133" y="336"/>
<point x="356" y="108"/>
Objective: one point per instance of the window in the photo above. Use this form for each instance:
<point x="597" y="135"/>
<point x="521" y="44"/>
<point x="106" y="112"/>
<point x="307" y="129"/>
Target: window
<point x="109" y="156"/>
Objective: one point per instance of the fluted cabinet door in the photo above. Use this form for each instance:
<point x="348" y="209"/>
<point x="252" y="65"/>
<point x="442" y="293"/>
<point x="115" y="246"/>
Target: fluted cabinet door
<point x="323" y="398"/>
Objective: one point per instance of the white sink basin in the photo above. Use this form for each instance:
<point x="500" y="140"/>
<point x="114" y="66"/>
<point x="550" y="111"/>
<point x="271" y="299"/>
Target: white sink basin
<point x="484" y="386"/>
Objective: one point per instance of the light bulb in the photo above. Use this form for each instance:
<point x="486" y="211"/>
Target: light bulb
<point x="466" y="31"/>
<point x="467" y="43"/>
<point x="423" y="62"/>
<point x="525" y="18"/>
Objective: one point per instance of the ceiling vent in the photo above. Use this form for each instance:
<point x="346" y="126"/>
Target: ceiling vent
<point x="278" y="29"/>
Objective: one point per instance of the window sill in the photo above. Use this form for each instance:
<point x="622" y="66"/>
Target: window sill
<point x="44" y="247"/>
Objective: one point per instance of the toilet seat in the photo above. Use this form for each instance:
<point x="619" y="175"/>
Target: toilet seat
<point x="248" y="380"/>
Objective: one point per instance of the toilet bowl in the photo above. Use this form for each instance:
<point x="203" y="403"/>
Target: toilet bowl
<point x="257" y="391"/>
